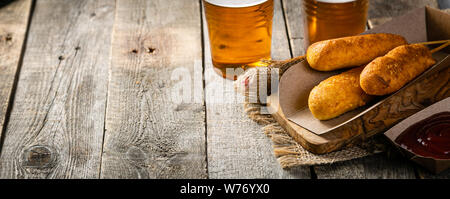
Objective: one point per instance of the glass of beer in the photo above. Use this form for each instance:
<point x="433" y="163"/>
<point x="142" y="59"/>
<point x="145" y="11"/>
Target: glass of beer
<point x="328" y="19"/>
<point x="240" y="33"/>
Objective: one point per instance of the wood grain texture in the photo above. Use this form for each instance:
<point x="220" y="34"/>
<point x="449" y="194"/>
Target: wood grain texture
<point x="294" y="21"/>
<point x="148" y="134"/>
<point x="382" y="11"/>
<point x="412" y="99"/>
<point x="363" y="167"/>
<point x="57" y="119"/>
<point x="13" y="26"/>
<point x="371" y="167"/>
<point x="237" y="146"/>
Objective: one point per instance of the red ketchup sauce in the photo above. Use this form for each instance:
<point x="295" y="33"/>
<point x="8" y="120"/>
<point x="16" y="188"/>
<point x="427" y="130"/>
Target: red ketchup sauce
<point x="429" y="137"/>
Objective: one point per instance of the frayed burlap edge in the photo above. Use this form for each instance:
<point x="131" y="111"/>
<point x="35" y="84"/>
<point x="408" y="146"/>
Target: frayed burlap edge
<point x="288" y="152"/>
<point x="291" y="154"/>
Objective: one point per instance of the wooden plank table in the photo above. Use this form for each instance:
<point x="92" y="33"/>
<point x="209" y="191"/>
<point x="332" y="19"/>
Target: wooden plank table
<point x="88" y="86"/>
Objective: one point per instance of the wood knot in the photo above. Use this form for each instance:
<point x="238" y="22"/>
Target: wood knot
<point x="151" y="50"/>
<point x="38" y="157"/>
<point x="6" y="38"/>
<point x="61" y="58"/>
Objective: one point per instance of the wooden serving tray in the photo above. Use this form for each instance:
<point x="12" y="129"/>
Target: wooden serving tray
<point x="424" y="24"/>
<point x="431" y="88"/>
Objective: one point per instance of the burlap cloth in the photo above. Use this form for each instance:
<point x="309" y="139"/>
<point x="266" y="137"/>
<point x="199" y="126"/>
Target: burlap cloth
<point x="287" y="151"/>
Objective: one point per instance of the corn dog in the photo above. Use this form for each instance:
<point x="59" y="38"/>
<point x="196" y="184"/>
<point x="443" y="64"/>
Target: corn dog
<point x="389" y="73"/>
<point x="351" y="51"/>
<point x="337" y="95"/>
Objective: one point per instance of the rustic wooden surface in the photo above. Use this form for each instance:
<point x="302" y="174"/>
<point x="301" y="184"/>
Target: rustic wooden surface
<point x="385" y="10"/>
<point x="93" y="95"/>
<point x="56" y="125"/>
<point x="13" y="26"/>
<point x="147" y="135"/>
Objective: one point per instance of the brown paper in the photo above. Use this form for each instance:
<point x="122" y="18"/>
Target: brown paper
<point x="297" y="82"/>
<point x="434" y="165"/>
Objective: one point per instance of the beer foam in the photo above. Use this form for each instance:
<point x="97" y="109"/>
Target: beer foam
<point x="236" y="3"/>
<point x="335" y="1"/>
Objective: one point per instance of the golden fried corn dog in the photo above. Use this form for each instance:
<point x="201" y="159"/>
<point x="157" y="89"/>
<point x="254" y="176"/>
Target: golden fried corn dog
<point x="389" y="73"/>
<point x="337" y="95"/>
<point x="351" y="51"/>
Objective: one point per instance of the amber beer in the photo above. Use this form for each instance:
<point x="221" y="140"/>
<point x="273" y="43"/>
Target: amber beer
<point x="240" y="32"/>
<point x="327" y="19"/>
